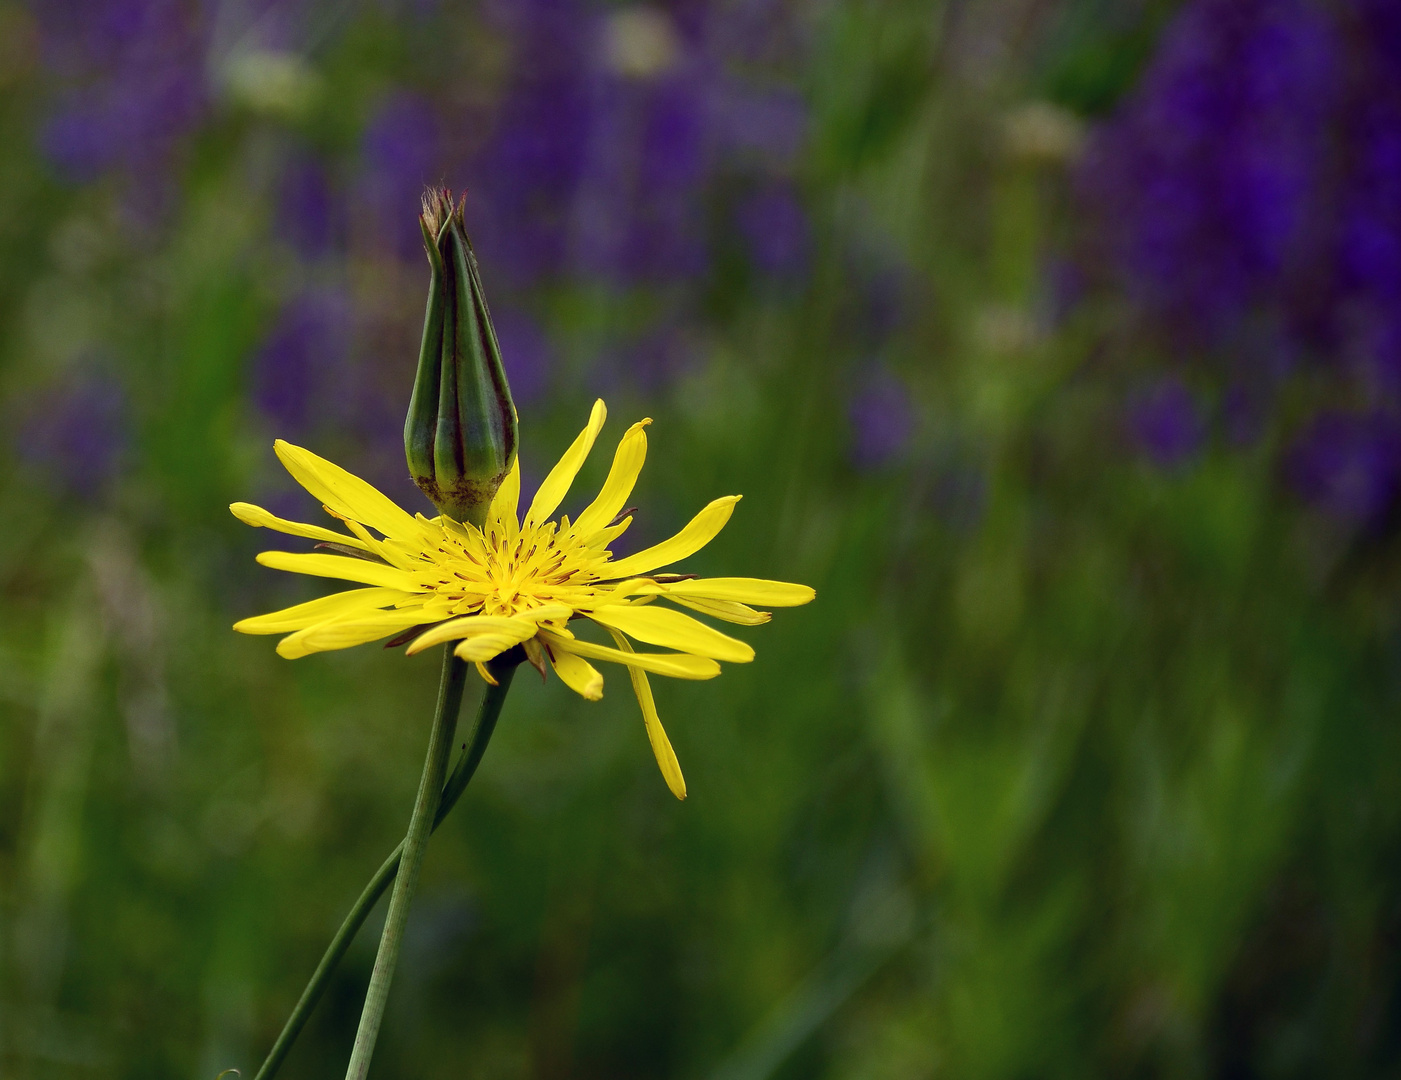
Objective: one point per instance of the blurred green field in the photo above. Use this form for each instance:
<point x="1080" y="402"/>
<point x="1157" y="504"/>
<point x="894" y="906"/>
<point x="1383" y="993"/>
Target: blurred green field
<point x="1081" y="764"/>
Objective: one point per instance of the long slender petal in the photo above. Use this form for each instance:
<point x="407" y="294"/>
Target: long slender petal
<point x="485" y="647"/>
<point x="577" y="674"/>
<point x="262" y="519"/>
<point x="603" y="537"/>
<point x="556" y="485"/>
<point x="344" y="633"/>
<point x="336" y="606"/>
<point x="506" y="499"/>
<point x="344" y="492"/>
<point x="672" y="630"/>
<point x="676" y="665"/>
<point x="471" y="625"/>
<point x="738" y="589"/>
<point x="622" y="478"/>
<point x="728" y="610"/>
<point x="699" y="531"/>
<point x="390" y="551"/>
<point x="341" y="567"/>
<point x="656" y="734"/>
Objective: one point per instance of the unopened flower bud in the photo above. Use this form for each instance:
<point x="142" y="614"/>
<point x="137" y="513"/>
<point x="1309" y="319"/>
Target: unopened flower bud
<point x="460" y="434"/>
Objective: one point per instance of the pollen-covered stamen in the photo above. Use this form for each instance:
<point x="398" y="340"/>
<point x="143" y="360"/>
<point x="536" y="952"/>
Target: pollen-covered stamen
<point x="501" y="572"/>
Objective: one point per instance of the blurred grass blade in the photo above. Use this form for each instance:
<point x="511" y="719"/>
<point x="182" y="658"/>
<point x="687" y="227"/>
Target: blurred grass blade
<point x="878" y="936"/>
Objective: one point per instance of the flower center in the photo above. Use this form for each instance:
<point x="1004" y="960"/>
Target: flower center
<point x="503" y="573"/>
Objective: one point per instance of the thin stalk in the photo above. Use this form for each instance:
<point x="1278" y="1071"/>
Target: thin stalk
<point x="425" y="809"/>
<point x="487" y="715"/>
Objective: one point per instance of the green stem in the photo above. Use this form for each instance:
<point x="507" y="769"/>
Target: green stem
<point x="425" y="809"/>
<point x="487" y="715"/>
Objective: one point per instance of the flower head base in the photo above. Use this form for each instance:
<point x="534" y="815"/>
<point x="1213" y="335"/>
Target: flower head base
<point x="517" y="581"/>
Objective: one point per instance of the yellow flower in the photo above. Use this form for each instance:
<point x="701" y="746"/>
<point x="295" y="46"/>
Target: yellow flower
<point x="517" y="581"/>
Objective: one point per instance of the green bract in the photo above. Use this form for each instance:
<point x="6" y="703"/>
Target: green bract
<point x="460" y="434"/>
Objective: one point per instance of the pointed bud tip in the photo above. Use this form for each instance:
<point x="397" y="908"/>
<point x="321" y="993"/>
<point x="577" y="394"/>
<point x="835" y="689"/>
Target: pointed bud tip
<point x="439" y="206"/>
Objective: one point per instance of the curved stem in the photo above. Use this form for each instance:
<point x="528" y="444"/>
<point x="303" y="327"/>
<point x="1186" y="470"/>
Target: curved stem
<point x="462" y="773"/>
<point x="482" y="731"/>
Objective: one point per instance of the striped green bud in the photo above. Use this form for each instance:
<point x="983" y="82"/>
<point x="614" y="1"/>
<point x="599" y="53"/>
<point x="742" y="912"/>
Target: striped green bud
<point x="460" y="434"/>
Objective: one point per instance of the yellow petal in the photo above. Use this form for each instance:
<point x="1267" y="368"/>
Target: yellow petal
<point x="745" y="591"/>
<point x="656" y="734"/>
<point x="556" y="485"/>
<point x="344" y="492"/>
<point x="637" y="586"/>
<point x="724" y="609"/>
<point x="341" y="567"/>
<point x="435" y="608"/>
<point x="672" y="630"/>
<point x="577" y="674"/>
<point x="547" y="613"/>
<point x="740" y="590"/>
<point x="261" y="519"/>
<point x="622" y="477"/>
<point x="467" y="534"/>
<point x="699" y="531"/>
<point x="394" y="552"/>
<point x="344" y="633"/>
<point x="507" y="497"/>
<point x="471" y="625"/>
<point x="603" y="537"/>
<point x="676" y="665"/>
<point x="483" y="647"/>
<point x="337" y="605"/>
<point x="486" y="674"/>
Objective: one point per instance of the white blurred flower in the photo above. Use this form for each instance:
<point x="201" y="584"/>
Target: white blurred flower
<point x="1041" y="132"/>
<point x="640" y="42"/>
<point x="278" y="84"/>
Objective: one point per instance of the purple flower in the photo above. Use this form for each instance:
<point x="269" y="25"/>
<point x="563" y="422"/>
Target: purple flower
<point x="1367" y="293"/>
<point x="639" y="209"/>
<point x="1248" y="198"/>
<point x="1166" y="423"/>
<point x="308" y="210"/>
<point x="882" y="420"/>
<point x="1371" y="251"/>
<point x="525" y="352"/>
<point x="300" y="363"/>
<point x="75" y="432"/>
<point x="878" y="299"/>
<point x="1382" y="24"/>
<point x="769" y="127"/>
<point x="132" y="74"/>
<point x="775" y="229"/>
<point x="609" y="139"/>
<point x="1348" y="465"/>
<point x="1208" y="182"/>
<point x="659" y="357"/>
<point x="665" y="233"/>
<point x="529" y="171"/>
<point x="401" y="153"/>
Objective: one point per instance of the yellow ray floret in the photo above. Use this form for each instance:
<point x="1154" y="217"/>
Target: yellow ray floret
<point x="517" y="582"/>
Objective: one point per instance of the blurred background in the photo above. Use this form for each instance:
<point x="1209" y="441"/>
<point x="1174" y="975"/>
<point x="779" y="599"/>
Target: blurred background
<point x="1057" y="343"/>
